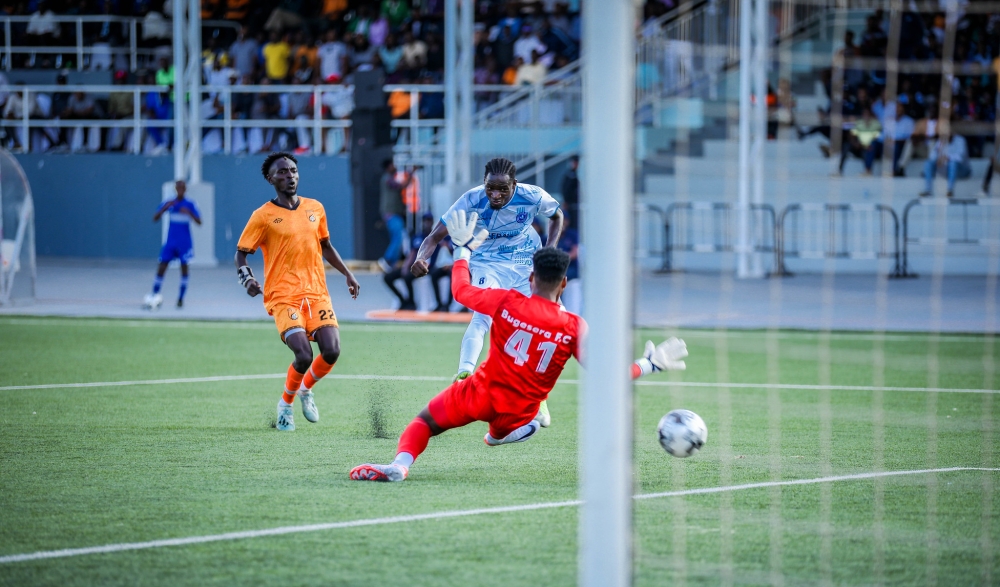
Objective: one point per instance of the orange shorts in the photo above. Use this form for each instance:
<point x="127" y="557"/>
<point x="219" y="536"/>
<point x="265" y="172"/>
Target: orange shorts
<point x="467" y="401"/>
<point x="308" y="316"/>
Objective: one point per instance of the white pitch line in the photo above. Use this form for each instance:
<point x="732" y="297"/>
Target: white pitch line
<point x="437" y="378"/>
<point x="266" y="324"/>
<point x="218" y="378"/>
<point x="707" y="490"/>
<point x="111" y="548"/>
<point x="811" y="387"/>
<point x="250" y="324"/>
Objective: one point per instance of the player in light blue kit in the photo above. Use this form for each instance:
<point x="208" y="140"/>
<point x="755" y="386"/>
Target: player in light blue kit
<point x="506" y="210"/>
<point x="181" y="213"/>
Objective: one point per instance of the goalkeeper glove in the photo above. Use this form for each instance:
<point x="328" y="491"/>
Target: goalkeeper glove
<point x="665" y="356"/>
<point x="464" y="235"/>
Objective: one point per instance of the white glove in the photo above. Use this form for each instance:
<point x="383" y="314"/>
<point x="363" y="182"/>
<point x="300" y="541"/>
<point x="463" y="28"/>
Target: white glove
<point x="667" y="355"/>
<point x="463" y="231"/>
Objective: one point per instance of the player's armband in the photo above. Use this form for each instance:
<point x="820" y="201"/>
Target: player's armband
<point x="245" y="275"/>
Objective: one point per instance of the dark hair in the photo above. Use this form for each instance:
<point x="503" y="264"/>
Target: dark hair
<point x="500" y="166"/>
<point x="386" y="163"/>
<point x="550" y="265"/>
<point x="269" y="161"/>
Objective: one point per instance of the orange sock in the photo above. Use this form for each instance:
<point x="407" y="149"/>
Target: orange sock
<point x="317" y="371"/>
<point x="292" y="383"/>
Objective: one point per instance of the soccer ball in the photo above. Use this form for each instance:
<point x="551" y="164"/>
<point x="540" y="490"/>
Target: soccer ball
<point x="682" y="433"/>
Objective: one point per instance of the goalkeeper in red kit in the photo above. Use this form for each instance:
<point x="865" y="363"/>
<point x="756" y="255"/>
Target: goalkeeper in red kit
<point x="531" y="339"/>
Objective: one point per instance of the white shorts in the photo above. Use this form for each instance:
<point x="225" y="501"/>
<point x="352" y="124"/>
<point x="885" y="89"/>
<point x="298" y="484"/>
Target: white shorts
<point x="497" y="276"/>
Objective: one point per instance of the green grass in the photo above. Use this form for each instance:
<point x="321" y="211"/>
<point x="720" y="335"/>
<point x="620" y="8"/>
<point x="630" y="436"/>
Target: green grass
<point x="92" y="466"/>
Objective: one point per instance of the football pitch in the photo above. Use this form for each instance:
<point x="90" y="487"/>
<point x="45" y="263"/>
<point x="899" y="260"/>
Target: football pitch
<point x="169" y="468"/>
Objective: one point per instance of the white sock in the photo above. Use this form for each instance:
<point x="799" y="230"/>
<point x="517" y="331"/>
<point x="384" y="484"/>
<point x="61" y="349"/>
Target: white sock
<point x="283" y="403"/>
<point x="403" y="459"/>
<point x="472" y="342"/>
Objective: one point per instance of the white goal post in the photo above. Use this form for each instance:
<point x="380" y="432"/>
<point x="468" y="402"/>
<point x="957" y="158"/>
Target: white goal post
<point x="17" y="234"/>
<point x="605" y="531"/>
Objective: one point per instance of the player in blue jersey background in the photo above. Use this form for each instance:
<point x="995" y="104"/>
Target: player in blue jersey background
<point x="506" y="210"/>
<point x="180" y="212"/>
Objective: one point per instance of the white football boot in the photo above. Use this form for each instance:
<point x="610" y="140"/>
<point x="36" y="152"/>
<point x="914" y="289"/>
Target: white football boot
<point x="309" y="409"/>
<point x="543" y="417"/>
<point x="285" y="422"/>
<point x="152" y="301"/>
<point x="370" y="472"/>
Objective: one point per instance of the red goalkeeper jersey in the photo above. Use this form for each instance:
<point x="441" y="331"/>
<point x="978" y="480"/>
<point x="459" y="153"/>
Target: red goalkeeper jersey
<point x="530" y="341"/>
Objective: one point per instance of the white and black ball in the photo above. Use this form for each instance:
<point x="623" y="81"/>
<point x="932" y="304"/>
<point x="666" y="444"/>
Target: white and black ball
<point x="682" y="433"/>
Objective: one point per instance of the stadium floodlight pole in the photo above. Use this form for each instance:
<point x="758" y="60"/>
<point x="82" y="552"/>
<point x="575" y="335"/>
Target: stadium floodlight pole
<point x="3" y="283"/>
<point x="743" y="236"/>
<point x="762" y="39"/>
<point x="180" y="169"/>
<point x="605" y="530"/>
<point x="465" y="69"/>
<point x="450" y="91"/>
<point x="193" y="79"/>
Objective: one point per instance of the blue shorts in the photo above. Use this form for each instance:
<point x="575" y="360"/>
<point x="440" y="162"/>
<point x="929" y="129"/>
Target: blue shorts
<point x="181" y="251"/>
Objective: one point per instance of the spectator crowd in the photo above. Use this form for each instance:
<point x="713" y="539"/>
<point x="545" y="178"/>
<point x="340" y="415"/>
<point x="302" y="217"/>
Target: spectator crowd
<point x="945" y="120"/>
<point x="277" y="42"/>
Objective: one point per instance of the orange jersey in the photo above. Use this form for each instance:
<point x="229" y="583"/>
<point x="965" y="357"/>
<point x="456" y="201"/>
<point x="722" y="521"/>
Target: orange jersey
<point x="293" y="259"/>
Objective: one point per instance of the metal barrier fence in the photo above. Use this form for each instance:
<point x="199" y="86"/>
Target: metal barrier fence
<point x="36" y="119"/>
<point x="650" y="232"/>
<point x="82" y="51"/>
<point x="838" y="231"/>
<point x="941" y="228"/>
<point x="709" y="227"/>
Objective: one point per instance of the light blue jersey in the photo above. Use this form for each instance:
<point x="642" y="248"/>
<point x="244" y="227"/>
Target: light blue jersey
<point x="511" y="244"/>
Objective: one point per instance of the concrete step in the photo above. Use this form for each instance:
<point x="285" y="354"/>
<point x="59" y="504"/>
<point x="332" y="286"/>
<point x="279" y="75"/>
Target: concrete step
<point x="783" y="150"/>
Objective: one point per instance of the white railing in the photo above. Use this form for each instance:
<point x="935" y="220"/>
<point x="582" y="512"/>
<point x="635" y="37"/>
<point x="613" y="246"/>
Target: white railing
<point x="130" y="29"/>
<point x="137" y="124"/>
<point x="31" y="94"/>
<point x="692" y="45"/>
<point x="315" y="125"/>
<point x="420" y="136"/>
<point x="555" y="101"/>
<point x="420" y="141"/>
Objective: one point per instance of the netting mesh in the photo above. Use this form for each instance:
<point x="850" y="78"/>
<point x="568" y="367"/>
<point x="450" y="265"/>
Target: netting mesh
<point x="853" y="387"/>
<point x="17" y="234"/>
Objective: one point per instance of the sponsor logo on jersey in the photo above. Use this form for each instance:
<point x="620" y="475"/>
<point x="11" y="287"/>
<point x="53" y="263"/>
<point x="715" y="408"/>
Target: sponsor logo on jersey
<point x="518" y="323"/>
<point x="277" y="220"/>
<point x="504" y="234"/>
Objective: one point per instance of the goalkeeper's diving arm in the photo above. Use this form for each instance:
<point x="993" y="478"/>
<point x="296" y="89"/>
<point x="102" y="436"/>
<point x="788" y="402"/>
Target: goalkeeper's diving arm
<point x="466" y="236"/>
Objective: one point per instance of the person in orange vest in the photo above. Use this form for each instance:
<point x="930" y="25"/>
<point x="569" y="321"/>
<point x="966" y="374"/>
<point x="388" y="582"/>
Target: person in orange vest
<point x="411" y="193"/>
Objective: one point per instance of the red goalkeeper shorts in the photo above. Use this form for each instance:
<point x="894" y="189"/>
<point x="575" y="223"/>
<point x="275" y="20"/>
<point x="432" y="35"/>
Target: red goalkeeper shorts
<point x="468" y="400"/>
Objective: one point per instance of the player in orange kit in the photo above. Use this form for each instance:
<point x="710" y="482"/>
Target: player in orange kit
<point x="292" y="232"/>
<point x="530" y="342"/>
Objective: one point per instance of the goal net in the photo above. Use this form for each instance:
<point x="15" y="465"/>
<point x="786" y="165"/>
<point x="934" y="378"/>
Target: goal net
<point x="816" y="217"/>
<point x="17" y="234"/>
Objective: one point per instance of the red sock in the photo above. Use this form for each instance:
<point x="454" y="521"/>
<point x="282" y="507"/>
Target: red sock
<point x="319" y="369"/>
<point x="292" y="383"/>
<point x="414" y="438"/>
